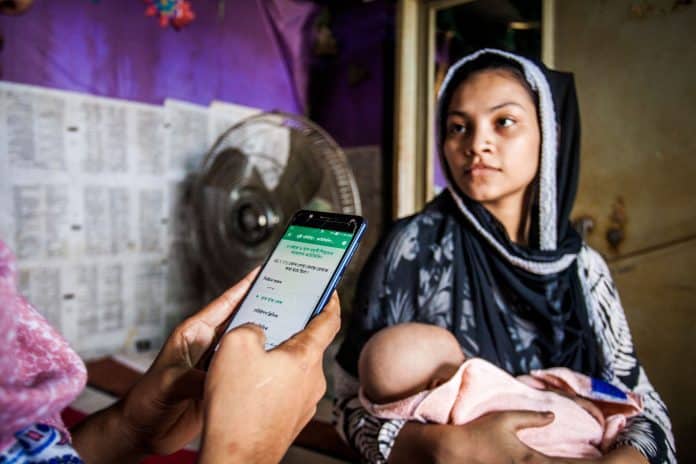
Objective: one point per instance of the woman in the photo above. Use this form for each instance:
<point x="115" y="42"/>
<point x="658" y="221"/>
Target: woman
<point x="250" y="405"/>
<point x="499" y="265"/>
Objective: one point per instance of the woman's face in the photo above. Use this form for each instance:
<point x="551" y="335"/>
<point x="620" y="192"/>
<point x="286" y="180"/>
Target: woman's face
<point x="492" y="139"/>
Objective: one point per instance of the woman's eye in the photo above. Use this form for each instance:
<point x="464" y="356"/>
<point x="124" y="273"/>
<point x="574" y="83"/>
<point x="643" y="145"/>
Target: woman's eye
<point x="454" y="129"/>
<point x="506" y="122"/>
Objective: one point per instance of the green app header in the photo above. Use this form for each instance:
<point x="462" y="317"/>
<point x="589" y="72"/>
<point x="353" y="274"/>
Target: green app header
<point x="325" y="237"/>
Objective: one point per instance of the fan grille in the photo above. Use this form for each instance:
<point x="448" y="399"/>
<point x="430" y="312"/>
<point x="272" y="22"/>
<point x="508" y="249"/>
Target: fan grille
<point x="257" y="174"/>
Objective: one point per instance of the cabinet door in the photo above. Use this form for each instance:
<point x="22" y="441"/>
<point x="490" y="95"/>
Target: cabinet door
<point x="634" y="65"/>
<point x="657" y="291"/>
<point x="635" y="71"/>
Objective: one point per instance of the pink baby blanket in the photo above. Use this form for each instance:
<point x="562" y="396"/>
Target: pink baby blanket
<point x="480" y="387"/>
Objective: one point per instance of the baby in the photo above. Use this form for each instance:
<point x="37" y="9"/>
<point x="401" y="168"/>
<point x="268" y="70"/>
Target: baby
<point x="418" y="372"/>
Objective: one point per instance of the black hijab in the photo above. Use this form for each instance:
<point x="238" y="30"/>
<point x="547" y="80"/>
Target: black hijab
<point x="542" y="278"/>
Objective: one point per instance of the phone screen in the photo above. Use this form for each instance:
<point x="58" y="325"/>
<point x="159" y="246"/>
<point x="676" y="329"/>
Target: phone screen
<point x="292" y="282"/>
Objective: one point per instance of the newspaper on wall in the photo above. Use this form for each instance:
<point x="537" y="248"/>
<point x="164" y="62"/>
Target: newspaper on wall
<point x="93" y="203"/>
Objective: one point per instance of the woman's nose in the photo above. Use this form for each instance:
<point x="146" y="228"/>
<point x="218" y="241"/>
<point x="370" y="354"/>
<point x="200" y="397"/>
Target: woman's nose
<point x="480" y="141"/>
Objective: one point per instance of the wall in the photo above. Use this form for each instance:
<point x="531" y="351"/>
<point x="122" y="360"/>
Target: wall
<point x="351" y="96"/>
<point x="351" y="91"/>
<point x="634" y="64"/>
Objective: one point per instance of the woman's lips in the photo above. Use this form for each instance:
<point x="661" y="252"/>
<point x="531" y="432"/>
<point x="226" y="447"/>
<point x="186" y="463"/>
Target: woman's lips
<point x="480" y="170"/>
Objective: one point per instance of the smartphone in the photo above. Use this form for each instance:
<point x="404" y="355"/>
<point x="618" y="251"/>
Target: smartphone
<point x="299" y="275"/>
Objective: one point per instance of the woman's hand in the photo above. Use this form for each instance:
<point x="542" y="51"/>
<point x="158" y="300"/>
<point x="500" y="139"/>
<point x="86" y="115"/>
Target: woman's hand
<point x="163" y="410"/>
<point x="256" y="402"/>
<point x="490" y="439"/>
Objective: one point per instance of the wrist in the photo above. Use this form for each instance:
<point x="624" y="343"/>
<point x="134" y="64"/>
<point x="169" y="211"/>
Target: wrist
<point x="105" y="437"/>
<point x="223" y="445"/>
<point x="420" y="443"/>
<point x="220" y="442"/>
<point x="230" y="436"/>
<point x="448" y="446"/>
<point x="127" y="432"/>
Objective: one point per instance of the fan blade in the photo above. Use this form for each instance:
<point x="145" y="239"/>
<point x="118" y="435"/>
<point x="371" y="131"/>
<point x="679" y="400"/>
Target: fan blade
<point x="301" y="178"/>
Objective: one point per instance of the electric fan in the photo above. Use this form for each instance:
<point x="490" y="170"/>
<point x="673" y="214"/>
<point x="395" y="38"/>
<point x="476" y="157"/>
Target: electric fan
<point x="256" y="176"/>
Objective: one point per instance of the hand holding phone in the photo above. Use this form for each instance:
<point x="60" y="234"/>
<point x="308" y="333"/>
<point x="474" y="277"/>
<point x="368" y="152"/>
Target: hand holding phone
<point x="300" y="274"/>
<point x="260" y="399"/>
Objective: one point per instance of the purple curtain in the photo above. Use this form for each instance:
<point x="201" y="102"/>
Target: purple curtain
<point x="290" y="24"/>
<point x="256" y="55"/>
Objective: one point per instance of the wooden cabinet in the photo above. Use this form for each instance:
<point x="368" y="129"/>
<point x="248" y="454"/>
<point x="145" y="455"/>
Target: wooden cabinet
<point x="657" y="291"/>
<point x="636" y="82"/>
<point x="635" y="70"/>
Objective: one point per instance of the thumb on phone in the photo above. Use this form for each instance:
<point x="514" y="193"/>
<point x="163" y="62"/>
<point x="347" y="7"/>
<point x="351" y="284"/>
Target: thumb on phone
<point x="319" y="333"/>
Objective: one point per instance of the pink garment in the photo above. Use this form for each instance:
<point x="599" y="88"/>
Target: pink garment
<point x="480" y="387"/>
<point x="39" y="373"/>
